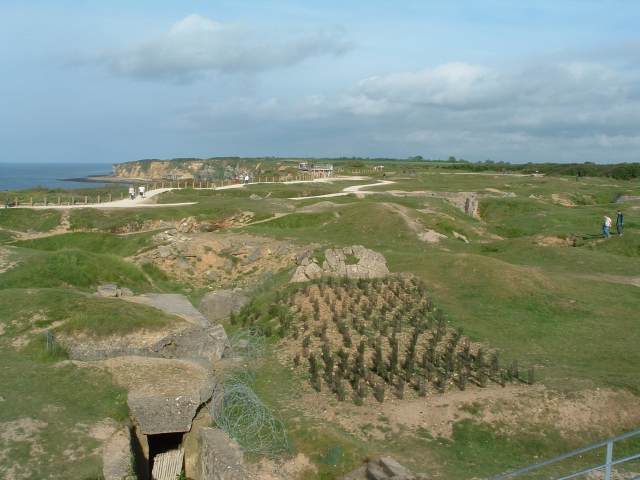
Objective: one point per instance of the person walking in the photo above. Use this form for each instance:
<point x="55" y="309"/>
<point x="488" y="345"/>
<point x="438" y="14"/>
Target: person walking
<point x="606" y="226"/>
<point x="246" y="179"/>
<point x="619" y="222"/>
<point x="143" y="190"/>
<point x="132" y="192"/>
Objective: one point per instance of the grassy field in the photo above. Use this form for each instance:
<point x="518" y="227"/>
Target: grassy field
<point x="535" y="281"/>
<point x="45" y="421"/>
<point x="29" y="220"/>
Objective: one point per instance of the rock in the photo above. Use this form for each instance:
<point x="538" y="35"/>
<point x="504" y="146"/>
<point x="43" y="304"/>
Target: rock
<point x="375" y="472"/>
<point x="393" y="468"/>
<point x="254" y="255"/>
<point x="204" y="344"/>
<point x="191" y="440"/>
<point x="125" y="292"/>
<point x="207" y="227"/>
<point x="164" y="251"/>
<point x="211" y="276"/>
<point x="163" y="394"/>
<point x="312" y="271"/>
<point x="220" y="457"/>
<point x="339" y="263"/>
<point x="219" y="304"/>
<point x="117" y="456"/>
<point x="228" y="265"/>
<point x="385" y="468"/>
<point x="107" y="290"/>
<point x="174" y="304"/>
<point x="459" y="236"/>
<point x="253" y="196"/>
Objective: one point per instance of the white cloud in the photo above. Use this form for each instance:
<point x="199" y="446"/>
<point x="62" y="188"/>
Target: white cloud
<point x="554" y="111"/>
<point x="197" y="44"/>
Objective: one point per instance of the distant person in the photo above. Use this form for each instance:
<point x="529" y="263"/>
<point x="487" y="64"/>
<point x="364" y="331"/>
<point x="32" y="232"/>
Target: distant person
<point x="132" y="192"/>
<point x="141" y="191"/>
<point x="606" y="226"/>
<point x="246" y="179"/>
<point x="619" y="222"/>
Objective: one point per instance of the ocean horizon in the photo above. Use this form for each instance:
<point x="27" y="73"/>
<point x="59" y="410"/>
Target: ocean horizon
<point x="23" y="175"/>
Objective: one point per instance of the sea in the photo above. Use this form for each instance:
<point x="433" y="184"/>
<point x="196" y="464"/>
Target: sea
<point x="18" y="176"/>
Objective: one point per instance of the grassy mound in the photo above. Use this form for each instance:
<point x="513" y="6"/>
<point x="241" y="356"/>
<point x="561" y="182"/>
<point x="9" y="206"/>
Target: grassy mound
<point x="93" y="242"/>
<point x="70" y="311"/>
<point x="23" y="220"/>
<point x="75" y="268"/>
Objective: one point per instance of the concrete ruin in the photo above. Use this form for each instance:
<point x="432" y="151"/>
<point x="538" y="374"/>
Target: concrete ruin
<point x="350" y="262"/>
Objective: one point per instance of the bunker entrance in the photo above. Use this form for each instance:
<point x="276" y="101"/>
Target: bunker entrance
<point x="166" y="456"/>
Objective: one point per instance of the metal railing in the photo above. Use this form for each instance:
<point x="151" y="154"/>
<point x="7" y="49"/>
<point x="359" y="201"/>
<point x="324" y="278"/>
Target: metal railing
<point x="607" y="466"/>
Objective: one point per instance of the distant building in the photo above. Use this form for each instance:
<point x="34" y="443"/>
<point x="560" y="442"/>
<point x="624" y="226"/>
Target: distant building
<point x="321" y="170"/>
<point x="378" y="168"/>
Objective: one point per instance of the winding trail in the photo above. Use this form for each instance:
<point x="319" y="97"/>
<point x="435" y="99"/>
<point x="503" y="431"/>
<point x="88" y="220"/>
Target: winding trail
<point x="357" y="189"/>
<point x="149" y="202"/>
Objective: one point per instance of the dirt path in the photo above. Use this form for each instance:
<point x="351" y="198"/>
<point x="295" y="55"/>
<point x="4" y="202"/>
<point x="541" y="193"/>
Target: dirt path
<point x="423" y="233"/>
<point x="619" y="279"/>
<point x="357" y="189"/>
<point x="150" y="202"/>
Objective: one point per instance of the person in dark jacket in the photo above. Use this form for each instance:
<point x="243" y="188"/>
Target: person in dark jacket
<point x="619" y="222"/>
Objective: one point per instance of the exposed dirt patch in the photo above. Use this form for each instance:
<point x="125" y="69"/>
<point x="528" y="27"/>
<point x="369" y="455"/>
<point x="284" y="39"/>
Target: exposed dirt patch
<point x="220" y="259"/>
<point x="298" y="467"/>
<point x="620" y="279"/>
<point x="423" y="233"/>
<point x="562" y="199"/>
<point x="511" y="409"/>
<point x="6" y="263"/>
<point x="24" y="430"/>
<point x="322" y="207"/>
<point x="553" y="241"/>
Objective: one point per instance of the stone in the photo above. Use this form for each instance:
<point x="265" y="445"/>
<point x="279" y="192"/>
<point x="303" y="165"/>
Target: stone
<point x="393" y="468"/>
<point x="190" y="442"/>
<point x="174" y="304"/>
<point x="375" y="472"/>
<point x="125" y="292"/>
<point x="220" y="457"/>
<point x="313" y="271"/>
<point x="219" y="304"/>
<point x="212" y="276"/>
<point x="116" y="456"/>
<point x="253" y="196"/>
<point x="254" y="255"/>
<point x="164" y="251"/>
<point x="207" y="344"/>
<point x="163" y="394"/>
<point x="107" y="290"/>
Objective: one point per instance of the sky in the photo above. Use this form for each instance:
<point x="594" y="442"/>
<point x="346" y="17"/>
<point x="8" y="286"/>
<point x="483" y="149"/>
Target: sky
<point x="516" y="81"/>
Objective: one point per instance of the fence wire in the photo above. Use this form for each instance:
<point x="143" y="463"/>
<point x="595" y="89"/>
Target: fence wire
<point x="246" y="419"/>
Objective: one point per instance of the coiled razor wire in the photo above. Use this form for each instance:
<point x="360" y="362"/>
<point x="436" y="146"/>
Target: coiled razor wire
<point x="246" y="419"/>
<point x="247" y="344"/>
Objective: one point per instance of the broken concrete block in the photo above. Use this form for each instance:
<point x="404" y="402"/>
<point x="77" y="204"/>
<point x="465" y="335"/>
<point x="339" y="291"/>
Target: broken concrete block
<point x="220" y="457"/>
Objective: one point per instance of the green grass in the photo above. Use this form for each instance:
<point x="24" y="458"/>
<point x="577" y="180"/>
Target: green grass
<point x="6" y="237"/>
<point x="76" y="312"/>
<point x="76" y="268"/>
<point x="93" y="242"/>
<point x="23" y="219"/>
<point x="64" y="400"/>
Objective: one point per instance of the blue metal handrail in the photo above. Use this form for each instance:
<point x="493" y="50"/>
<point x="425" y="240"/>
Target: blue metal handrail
<point x="606" y="466"/>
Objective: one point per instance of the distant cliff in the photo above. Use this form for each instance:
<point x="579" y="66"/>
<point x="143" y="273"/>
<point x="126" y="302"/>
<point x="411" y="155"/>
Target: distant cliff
<point x="204" y="169"/>
<point x="159" y="169"/>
